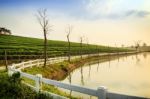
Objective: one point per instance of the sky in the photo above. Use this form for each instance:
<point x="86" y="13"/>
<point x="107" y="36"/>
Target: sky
<point x="103" y="22"/>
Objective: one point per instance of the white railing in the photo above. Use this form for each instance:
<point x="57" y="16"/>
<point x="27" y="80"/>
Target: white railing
<point x="100" y="92"/>
<point x="40" y="62"/>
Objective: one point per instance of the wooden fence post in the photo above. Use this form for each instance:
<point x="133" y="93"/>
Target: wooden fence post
<point x="38" y="82"/>
<point x="101" y="92"/>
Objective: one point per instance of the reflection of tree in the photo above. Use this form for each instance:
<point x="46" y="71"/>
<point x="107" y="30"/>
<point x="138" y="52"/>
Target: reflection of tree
<point x="132" y="57"/>
<point x="89" y="70"/>
<point x="82" y="79"/>
<point x="109" y="59"/>
<point x="98" y="66"/>
<point x="118" y="59"/>
<point x="137" y="59"/>
<point x="69" y="78"/>
<point x="126" y="57"/>
<point x="145" y="55"/>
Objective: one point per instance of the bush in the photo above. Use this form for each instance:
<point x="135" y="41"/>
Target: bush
<point x="12" y="88"/>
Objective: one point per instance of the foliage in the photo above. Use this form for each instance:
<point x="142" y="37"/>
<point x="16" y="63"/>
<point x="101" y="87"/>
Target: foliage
<point x="12" y="88"/>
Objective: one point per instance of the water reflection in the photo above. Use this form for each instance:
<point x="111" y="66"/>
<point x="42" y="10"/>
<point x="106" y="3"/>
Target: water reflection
<point x="145" y="55"/>
<point x="69" y="79"/>
<point x="109" y="59"/>
<point x="137" y="60"/>
<point x="132" y="58"/>
<point x="127" y="79"/>
<point x="82" y="78"/>
<point x="98" y="65"/>
<point x="89" y="69"/>
<point x="117" y="62"/>
<point x="118" y="59"/>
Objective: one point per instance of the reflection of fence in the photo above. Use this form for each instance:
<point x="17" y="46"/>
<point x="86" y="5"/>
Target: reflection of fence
<point x="101" y="92"/>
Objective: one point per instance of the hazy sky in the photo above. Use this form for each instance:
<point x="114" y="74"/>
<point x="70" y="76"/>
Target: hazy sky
<point x="105" y="22"/>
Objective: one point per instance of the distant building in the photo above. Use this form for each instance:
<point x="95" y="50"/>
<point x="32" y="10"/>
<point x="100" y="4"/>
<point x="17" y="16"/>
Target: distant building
<point x="4" y="31"/>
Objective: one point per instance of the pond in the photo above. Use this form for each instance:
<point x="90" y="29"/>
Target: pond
<point x="126" y="75"/>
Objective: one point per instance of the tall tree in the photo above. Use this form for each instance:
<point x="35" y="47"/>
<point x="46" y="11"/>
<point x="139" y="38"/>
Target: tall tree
<point x="87" y="42"/>
<point x="44" y="22"/>
<point x="81" y="45"/>
<point x="68" y="31"/>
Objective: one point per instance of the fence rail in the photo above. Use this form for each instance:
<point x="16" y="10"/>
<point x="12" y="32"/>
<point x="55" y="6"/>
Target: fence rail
<point x="100" y="92"/>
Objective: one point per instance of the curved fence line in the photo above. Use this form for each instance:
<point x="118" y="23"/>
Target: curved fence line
<point x="100" y="92"/>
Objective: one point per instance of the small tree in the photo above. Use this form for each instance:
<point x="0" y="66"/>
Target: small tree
<point x="44" y="22"/>
<point x="144" y="44"/>
<point x="137" y="44"/>
<point x="5" y="31"/>
<point x="68" y="31"/>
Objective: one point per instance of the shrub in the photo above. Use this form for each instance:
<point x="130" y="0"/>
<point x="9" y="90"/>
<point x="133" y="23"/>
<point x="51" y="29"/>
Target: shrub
<point x="12" y="88"/>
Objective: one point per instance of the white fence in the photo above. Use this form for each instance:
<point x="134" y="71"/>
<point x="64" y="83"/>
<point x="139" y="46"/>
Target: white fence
<point x="100" y="92"/>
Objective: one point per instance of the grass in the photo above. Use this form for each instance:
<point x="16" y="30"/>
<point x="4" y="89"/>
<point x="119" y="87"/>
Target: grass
<point x="21" y="47"/>
<point x="49" y="88"/>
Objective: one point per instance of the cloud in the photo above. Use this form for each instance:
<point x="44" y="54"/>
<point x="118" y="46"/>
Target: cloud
<point x="113" y="9"/>
<point x="137" y="13"/>
<point x="127" y="14"/>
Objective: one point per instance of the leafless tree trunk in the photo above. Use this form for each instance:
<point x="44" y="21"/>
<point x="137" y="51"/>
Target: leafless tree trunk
<point x="44" y="22"/>
<point x="137" y="44"/>
<point x="68" y="31"/>
<point x="81" y="41"/>
<point x="88" y="47"/>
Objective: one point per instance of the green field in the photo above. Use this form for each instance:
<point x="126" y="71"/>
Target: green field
<point x="25" y="47"/>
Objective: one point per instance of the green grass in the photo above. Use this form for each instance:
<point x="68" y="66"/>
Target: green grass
<point x="17" y="46"/>
<point x="49" y="88"/>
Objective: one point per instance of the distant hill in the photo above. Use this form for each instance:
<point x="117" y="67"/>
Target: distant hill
<point x="17" y="46"/>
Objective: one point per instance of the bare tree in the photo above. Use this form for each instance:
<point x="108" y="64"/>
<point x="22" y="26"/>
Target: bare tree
<point x="87" y="42"/>
<point x="81" y="44"/>
<point x="137" y="44"/>
<point x="44" y="22"/>
<point x="68" y="31"/>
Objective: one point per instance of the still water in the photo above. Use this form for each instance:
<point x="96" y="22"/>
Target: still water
<point x="127" y="75"/>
